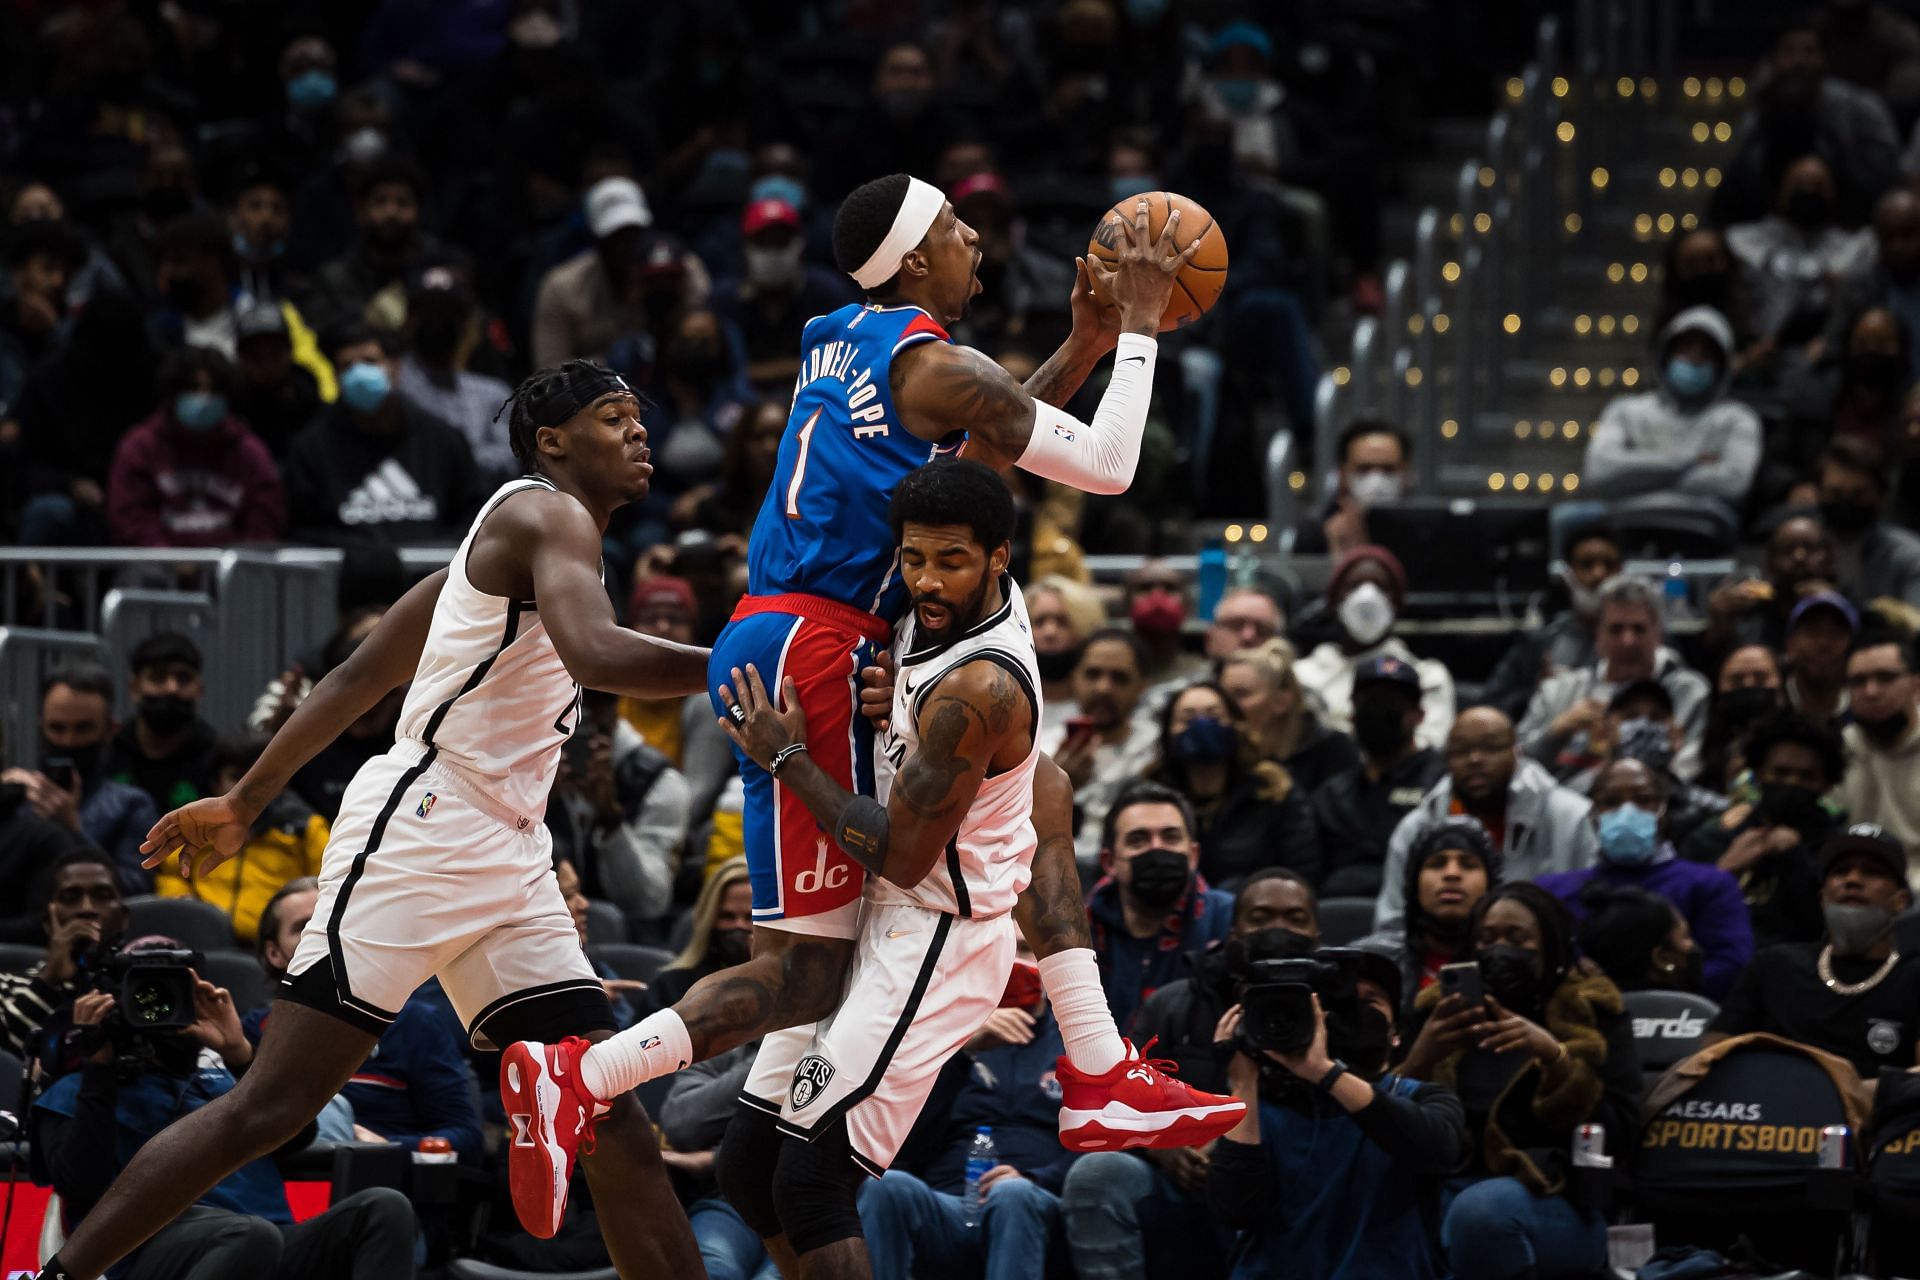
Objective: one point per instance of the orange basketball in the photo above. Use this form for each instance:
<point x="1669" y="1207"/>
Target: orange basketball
<point x="1198" y="285"/>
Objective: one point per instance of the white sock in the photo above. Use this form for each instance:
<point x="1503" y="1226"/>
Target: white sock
<point x="654" y="1046"/>
<point x="1072" y="980"/>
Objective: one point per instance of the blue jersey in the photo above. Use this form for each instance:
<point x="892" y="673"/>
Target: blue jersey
<point x="822" y="530"/>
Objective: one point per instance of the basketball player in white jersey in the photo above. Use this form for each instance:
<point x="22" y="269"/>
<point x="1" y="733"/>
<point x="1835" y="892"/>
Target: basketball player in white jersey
<point x="950" y="851"/>
<point x="439" y="863"/>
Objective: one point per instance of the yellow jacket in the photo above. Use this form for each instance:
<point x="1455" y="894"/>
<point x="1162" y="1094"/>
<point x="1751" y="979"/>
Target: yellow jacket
<point x="285" y="844"/>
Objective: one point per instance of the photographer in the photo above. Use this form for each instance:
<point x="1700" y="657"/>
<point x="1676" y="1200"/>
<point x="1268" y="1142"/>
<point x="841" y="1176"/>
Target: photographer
<point x="89" y="1124"/>
<point x="1535" y="1049"/>
<point x="1358" y="1155"/>
<point x="83" y="912"/>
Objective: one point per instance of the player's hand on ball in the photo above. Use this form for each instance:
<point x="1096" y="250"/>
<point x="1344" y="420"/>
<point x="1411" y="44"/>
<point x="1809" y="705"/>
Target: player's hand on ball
<point x="1144" y="272"/>
<point x="206" y="832"/>
<point x="756" y="725"/>
<point x="1094" y="323"/>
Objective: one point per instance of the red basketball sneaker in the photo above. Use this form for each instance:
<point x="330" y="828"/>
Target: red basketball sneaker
<point x="550" y="1119"/>
<point x="1138" y="1103"/>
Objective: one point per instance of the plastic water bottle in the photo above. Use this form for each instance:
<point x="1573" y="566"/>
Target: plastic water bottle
<point x="1676" y="604"/>
<point x="980" y="1158"/>
<point x="1213" y="577"/>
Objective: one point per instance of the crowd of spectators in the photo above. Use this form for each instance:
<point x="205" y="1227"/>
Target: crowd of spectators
<point x="268" y="277"/>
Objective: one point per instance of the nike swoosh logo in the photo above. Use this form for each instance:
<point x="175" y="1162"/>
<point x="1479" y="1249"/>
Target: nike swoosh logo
<point x="1134" y="360"/>
<point x="898" y="933"/>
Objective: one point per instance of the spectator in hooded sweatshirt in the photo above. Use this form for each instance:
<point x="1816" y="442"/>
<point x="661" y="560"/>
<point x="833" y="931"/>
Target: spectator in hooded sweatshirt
<point x="374" y="466"/>
<point x="1688" y="436"/>
<point x="1629" y="813"/>
<point x="193" y="474"/>
<point x="1365" y="595"/>
<point x="1568" y="710"/>
<point x="1537" y="825"/>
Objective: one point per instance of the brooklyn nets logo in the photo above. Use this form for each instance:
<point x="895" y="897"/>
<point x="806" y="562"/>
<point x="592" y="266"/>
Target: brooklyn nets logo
<point x="810" y="1079"/>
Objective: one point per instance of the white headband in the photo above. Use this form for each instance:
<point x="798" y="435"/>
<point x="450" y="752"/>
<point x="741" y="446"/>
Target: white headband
<point x="910" y="226"/>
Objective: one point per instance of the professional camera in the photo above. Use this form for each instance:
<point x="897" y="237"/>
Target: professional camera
<point x="1277" y="1002"/>
<point x="152" y="992"/>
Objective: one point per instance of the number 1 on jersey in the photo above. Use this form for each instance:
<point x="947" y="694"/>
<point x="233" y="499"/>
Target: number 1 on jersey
<point x="800" y="467"/>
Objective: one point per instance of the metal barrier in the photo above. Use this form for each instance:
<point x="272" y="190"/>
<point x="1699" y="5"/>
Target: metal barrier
<point x="1283" y="504"/>
<point x="26" y="656"/>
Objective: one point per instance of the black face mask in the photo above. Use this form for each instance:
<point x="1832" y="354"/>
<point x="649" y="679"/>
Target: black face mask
<point x="1380" y="728"/>
<point x="167" y="713"/>
<point x="57" y="762"/>
<point x="1883" y="729"/>
<point x="1055" y="667"/>
<point x="1849" y="517"/>
<point x="1741" y="707"/>
<point x="1809" y="210"/>
<point x="1877" y="371"/>
<point x="729" y="947"/>
<point x="1264" y="944"/>
<point x="1789" y="806"/>
<point x="1511" y="977"/>
<point x="1362" y="1040"/>
<point x="1158" y="877"/>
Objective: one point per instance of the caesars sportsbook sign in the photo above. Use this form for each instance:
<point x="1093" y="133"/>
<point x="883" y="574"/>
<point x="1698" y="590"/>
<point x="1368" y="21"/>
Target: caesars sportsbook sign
<point x="1752" y="1124"/>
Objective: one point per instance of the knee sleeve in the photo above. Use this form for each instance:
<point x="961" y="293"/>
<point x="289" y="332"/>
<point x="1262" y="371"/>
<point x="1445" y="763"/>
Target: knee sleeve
<point x="744" y="1166"/>
<point x="815" y="1189"/>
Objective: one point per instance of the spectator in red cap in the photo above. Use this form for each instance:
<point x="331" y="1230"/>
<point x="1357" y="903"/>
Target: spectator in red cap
<point x="779" y="292"/>
<point x="1365" y="596"/>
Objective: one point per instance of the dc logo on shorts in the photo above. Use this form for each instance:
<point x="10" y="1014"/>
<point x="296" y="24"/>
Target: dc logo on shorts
<point x="426" y="806"/>
<point x="810" y="1079"/>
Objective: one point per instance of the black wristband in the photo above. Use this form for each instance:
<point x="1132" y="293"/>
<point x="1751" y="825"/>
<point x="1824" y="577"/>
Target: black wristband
<point x="783" y="755"/>
<point x="1326" y="1082"/>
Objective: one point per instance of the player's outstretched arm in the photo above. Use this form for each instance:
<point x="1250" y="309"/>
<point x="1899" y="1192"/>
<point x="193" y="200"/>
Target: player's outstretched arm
<point x="564" y="556"/>
<point x="210" y="831"/>
<point x="939" y="388"/>
<point x="1050" y="911"/>
<point x="974" y="712"/>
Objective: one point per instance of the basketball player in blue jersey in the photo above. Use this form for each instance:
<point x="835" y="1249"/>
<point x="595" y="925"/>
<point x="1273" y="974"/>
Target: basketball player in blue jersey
<point x="439" y="863"/>
<point x="882" y="390"/>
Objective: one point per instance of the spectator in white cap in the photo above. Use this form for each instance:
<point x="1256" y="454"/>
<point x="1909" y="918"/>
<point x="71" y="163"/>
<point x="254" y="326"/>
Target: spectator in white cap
<point x="588" y="301"/>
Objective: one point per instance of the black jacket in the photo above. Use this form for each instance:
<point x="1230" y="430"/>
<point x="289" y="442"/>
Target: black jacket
<point x="1322" y="754"/>
<point x="1183" y="1015"/>
<point x="1782" y="889"/>
<point x="415" y="485"/>
<point x="181" y="778"/>
<point x="1354" y="816"/>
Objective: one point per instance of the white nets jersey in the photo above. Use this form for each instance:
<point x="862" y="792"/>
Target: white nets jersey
<point x="491" y="697"/>
<point x="990" y="859"/>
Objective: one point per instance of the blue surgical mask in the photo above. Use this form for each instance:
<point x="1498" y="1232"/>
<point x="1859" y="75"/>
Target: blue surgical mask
<point x="1205" y="740"/>
<point x="199" y="410"/>
<point x="311" y="89"/>
<point x="777" y="186"/>
<point x="1128" y="185"/>
<point x="244" y="248"/>
<point x="1237" y="95"/>
<point x="365" y="387"/>
<point x="1629" y="835"/>
<point x="1690" y="379"/>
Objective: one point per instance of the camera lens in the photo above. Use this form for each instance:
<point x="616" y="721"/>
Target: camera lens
<point x="151" y="1004"/>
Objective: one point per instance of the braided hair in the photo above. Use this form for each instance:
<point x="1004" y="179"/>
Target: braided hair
<point x="537" y="402"/>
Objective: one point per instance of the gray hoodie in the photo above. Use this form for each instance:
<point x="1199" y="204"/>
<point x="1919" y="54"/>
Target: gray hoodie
<point x="1652" y="443"/>
<point x="1547" y="830"/>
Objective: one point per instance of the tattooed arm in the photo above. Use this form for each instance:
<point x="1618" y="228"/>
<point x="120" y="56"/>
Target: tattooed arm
<point x="1050" y="912"/>
<point x="975" y="718"/>
<point x="939" y="388"/>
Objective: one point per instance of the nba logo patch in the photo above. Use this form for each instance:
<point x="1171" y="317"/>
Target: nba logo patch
<point x="1064" y="433"/>
<point x="426" y="806"/>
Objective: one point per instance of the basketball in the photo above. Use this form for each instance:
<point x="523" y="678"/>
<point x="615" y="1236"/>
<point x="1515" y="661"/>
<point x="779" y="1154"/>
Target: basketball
<point x="1198" y="285"/>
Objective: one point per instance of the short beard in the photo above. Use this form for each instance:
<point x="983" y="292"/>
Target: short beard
<point x="963" y="619"/>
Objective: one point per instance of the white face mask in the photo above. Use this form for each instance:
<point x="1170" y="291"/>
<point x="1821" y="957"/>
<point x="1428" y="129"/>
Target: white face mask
<point x="774" y="268"/>
<point x="1585" y="600"/>
<point x="1366" y="614"/>
<point x="1371" y="488"/>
